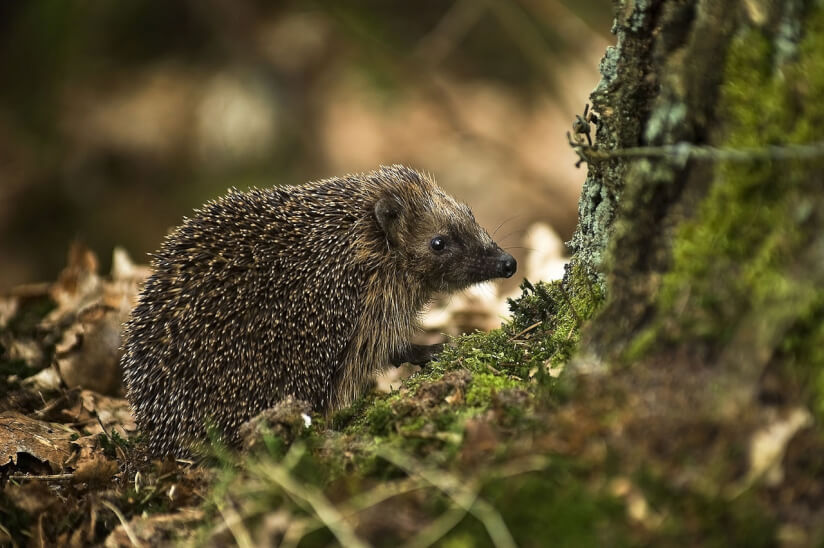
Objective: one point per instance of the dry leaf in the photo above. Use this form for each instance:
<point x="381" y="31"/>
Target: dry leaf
<point x="96" y="471"/>
<point x="45" y="441"/>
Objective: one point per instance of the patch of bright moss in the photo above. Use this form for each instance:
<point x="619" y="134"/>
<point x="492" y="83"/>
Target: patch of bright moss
<point x="379" y="418"/>
<point x="484" y="386"/>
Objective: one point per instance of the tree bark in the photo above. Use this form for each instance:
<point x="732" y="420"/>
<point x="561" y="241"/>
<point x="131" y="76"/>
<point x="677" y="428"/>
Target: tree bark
<point x="712" y="259"/>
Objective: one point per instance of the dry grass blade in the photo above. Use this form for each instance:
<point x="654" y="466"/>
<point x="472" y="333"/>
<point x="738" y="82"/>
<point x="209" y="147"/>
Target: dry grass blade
<point x="380" y="493"/>
<point x="234" y="522"/>
<point x="126" y="527"/>
<point x="319" y="504"/>
<point x="354" y="505"/>
<point x="437" y="529"/>
<point x="462" y="496"/>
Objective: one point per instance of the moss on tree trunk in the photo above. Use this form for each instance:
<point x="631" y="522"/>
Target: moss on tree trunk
<point x="709" y="258"/>
<point x="713" y="269"/>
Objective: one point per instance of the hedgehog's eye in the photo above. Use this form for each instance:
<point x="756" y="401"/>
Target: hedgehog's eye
<point x="437" y="243"/>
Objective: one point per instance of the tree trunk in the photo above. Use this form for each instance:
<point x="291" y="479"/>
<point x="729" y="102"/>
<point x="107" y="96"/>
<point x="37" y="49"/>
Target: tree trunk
<point x="712" y="255"/>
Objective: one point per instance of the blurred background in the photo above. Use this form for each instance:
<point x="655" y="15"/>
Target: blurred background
<point x="118" y="118"/>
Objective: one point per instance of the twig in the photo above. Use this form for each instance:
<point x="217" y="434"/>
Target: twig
<point x="126" y="527"/>
<point x="297" y="529"/>
<point x="524" y="331"/>
<point x="685" y="151"/>
<point x="52" y="477"/>
<point x="50" y="406"/>
<point x="8" y="534"/>
<point x="357" y="503"/>
<point x="378" y="494"/>
<point x="429" y="535"/>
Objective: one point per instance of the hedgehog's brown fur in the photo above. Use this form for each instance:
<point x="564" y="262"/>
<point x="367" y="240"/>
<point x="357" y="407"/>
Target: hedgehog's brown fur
<point x="304" y="291"/>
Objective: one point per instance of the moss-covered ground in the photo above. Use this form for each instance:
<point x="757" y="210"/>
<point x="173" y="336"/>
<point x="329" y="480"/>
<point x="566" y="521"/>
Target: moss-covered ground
<point x="461" y="454"/>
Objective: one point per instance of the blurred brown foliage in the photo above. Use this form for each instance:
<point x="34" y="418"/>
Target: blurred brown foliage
<point x="116" y="119"/>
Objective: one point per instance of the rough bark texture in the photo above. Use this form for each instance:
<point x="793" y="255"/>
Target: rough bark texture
<point x="713" y="270"/>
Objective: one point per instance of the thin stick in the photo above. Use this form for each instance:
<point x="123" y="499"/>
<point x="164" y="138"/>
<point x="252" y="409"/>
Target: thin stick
<point x="528" y="329"/>
<point x="685" y="151"/>
<point x="52" y="477"/>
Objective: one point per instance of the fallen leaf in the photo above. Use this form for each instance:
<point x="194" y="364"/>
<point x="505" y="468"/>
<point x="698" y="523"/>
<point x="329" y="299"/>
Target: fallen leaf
<point x="45" y="441"/>
<point x="96" y="471"/>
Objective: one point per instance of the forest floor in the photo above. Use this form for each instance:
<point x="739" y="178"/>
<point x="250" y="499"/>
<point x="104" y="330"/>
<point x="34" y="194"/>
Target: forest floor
<point x="510" y="439"/>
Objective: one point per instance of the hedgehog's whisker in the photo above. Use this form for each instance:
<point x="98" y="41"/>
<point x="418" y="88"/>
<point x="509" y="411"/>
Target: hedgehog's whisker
<point x="521" y="231"/>
<point x="504" y="222"/>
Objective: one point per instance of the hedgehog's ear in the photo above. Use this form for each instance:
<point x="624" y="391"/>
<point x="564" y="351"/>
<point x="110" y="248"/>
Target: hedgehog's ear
<point x="388" y="215"/>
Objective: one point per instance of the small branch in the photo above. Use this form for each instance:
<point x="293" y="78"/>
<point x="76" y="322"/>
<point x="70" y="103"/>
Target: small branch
<point x="525" y="331"/>
<point x="686" y="151"/>
<point x="52" y="477"/>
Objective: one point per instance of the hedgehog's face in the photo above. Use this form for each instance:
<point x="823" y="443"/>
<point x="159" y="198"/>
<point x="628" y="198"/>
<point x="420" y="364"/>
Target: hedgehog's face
<point x="443" y="244"/>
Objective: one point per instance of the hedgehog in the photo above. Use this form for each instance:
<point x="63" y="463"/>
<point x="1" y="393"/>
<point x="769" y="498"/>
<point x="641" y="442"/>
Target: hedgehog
<point x="304" y="291"/>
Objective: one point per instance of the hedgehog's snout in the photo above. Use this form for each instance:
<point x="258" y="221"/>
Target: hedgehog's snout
<point x="507" y="265"/>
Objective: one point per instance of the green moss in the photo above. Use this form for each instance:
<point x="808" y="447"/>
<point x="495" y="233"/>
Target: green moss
<point x="544" y="331"/>
<point x="31" y="312"/>
<point x="802" y="349"/>
<point x="484" y="386"/>
<point x="747" y="255"/>
<point x="110" y="442"/>
<point x="379" y="418"/>
<point x="344" y="417"/>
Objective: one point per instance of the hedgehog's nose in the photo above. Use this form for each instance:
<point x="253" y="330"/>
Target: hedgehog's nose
<point x="507" y="265"/>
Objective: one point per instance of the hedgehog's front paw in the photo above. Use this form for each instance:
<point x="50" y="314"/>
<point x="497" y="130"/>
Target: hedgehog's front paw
<point x="417" y="354"/>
